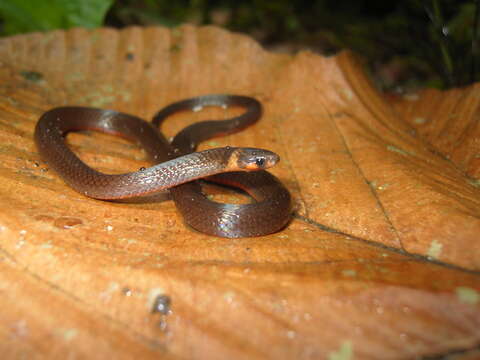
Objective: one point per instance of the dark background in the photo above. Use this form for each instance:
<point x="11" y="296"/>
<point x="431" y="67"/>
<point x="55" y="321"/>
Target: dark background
<point x="405" y="44"/>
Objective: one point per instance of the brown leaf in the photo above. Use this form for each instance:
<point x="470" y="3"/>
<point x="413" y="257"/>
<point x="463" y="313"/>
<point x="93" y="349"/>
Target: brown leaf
<point x="381" y="260"/>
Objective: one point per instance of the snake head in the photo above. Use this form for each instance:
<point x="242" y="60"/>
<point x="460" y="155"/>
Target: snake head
<point x="253" y="159"/>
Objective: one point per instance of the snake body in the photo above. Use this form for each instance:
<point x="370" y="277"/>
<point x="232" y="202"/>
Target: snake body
<point x="177" y="165"/>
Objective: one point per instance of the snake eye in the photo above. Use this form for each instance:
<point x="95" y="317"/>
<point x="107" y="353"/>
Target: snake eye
<point x="260" y="162"/>
<point x="254" y="159"/>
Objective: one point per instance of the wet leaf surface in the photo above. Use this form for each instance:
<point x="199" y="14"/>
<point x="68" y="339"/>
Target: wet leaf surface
<point x="381" y="260"/>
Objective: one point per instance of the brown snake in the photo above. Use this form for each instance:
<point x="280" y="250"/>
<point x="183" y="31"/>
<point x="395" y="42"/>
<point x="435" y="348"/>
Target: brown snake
<point x="177" y="165"/>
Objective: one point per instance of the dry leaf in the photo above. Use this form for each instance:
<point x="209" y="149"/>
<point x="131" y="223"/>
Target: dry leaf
<point x="382" y="259"/>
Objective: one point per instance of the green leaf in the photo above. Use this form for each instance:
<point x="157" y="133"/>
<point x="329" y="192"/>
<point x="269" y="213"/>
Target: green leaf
<point x="86" y="13"/>
<point x="28" y="15"/>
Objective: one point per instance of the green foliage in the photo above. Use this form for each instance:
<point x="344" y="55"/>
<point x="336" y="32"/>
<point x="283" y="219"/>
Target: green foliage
<point x="40" y="15"/>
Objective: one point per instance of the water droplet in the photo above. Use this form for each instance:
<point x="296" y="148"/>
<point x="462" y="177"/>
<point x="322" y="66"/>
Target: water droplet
<point x="162" y="305"/>
<point x="162" y="324"/>
<point x="66" y="222"/>
<point x="127" y="291"/>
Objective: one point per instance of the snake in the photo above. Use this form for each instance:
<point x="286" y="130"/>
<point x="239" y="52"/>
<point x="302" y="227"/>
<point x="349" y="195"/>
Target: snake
<point x="178" y="164"/>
